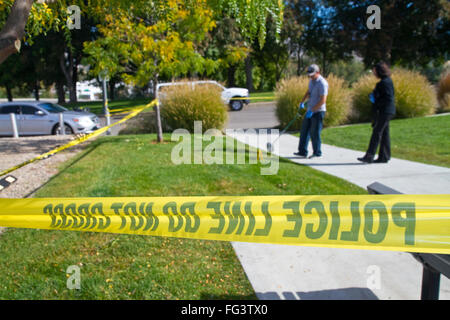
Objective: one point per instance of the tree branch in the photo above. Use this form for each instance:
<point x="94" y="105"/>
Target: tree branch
<point x="14" y="29"/>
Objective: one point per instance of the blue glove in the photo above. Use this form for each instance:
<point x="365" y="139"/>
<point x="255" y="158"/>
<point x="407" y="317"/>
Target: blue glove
<point x="372" y="98"/>
<point x="309" y="114"/>
<point x="301" y="106"/>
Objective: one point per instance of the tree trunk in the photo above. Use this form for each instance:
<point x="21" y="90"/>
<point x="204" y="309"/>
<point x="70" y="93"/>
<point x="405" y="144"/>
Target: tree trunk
<point x="14" y="28"/>
<point x="112" y="89"/>
<point x="299" y="63"/>
<point x="249" y="74"/>
<point x="73" y="92"/>
<point x="231" y="76"/>
<point x="70" y="74"/>
<point x="60" y="92"/>
<point x="324" y="67"/>
<point x="9" y="93"/>
<point x="36" y="90"/>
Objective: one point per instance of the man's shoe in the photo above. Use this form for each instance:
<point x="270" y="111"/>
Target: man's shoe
<point x="314" y="156"/>
<point x="298" y="154"/>
<point x="381" y="161"/>
<point x="365" y="160"/>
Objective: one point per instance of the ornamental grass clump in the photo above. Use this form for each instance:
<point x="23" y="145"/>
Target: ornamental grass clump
<point x="443" y="92"/>
<point x="414" y="96"/>
<point x="290" y="92"/>
<point x="183" y="104"/>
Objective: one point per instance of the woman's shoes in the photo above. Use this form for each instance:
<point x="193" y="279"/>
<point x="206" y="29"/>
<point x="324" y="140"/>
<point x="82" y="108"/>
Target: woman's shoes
<point x="366" y="159"/>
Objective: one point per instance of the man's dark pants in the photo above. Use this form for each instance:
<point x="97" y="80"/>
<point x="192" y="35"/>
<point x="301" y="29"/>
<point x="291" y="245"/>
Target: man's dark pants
<point x="380" y="136"/>
<point x="311" y="128"/>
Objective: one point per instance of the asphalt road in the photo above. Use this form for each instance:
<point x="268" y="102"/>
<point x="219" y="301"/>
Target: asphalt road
<point x="255" y="115"/>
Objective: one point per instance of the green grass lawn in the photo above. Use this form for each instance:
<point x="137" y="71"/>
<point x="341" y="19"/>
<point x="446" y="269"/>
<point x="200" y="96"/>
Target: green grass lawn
<point x="262" y="96"/>
<point x="425" y="139"/>
<point x="97" y="106"/>
<point x="33" y="263"/>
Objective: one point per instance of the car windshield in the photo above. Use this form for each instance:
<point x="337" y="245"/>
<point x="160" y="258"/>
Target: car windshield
<point x="52" y="108"/>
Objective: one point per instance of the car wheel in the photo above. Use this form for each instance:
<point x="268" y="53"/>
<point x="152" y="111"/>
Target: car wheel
<point x="236" y="105"/>
<point x="57" y="131"/>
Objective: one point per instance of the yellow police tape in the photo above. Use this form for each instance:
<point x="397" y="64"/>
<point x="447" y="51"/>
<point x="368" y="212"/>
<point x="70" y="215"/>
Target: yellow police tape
<point x="419" y="223"/>
<point x="75" y="142"/>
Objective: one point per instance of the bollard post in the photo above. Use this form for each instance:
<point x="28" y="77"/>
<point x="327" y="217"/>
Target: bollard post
<point x="158" y="122"/>
<point x="14" y="125"/>
<point x="62" y="127"/>
<point x="105" y="105"/>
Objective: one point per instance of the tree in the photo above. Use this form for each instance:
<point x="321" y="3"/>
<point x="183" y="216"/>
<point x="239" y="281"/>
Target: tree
<point x="293" y="25"/>
<point x="154" y="39"/>
<point x="14" y="29"/>
<point x="150" y="41"/>
<point x="23" y="19"/>
<point x="273" y="57"/>
<point x="47" y="31"/>
<point x="411" y="31"/>
<point x="226" y="46"/>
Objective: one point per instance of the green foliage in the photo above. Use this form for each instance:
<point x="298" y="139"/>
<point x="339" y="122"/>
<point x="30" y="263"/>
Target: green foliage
<point x="414" y="95"/>
<point x="350" y="71"/>
<point x="164" y="38"/>
<point x="290" y="92"/>
<point x="251" y="15"/>
<point x="183" y="104"/>
<point x="142" y="49"/>
<point x="273" y="58"/>
<point x="361" y="106"/>
<point x="412" y="32"/>
<point x="338" y="101"/>
<point x="444" y="92"/>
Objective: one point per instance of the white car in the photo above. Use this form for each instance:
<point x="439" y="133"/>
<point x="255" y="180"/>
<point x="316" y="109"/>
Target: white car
<point x="234" y="97"/>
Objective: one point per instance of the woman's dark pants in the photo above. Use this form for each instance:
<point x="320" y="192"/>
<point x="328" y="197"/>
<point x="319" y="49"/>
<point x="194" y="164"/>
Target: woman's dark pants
<point x="380" y="136"/>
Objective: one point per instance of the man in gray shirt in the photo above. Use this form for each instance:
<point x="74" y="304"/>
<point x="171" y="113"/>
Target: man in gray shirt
<point x="313" y="121"/>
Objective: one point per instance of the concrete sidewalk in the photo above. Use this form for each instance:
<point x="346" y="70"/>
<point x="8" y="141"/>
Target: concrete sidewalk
<point x="295" y="272"/>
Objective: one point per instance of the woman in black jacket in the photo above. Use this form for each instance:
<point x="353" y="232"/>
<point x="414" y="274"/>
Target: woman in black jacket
<point x="384" y="111"/>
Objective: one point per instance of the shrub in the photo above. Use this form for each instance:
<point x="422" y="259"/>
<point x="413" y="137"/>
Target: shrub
<point x="338" y="101"/>
<point x="361" y="106"/>
<point x="143" y="123"/>
<point x="181" y="105"/>
<point x="414" y="96"/>
<point x="289" y="93"/>
<point x="443" y="93"/>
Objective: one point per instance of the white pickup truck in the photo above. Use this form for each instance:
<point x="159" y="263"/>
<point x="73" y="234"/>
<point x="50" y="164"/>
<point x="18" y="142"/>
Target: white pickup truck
<point x="234" y="97"/>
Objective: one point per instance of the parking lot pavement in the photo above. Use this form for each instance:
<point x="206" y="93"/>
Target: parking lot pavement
<point x="32" y="176"/>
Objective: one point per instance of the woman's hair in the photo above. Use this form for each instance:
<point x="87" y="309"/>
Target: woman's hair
<point x="382" y="70"/>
